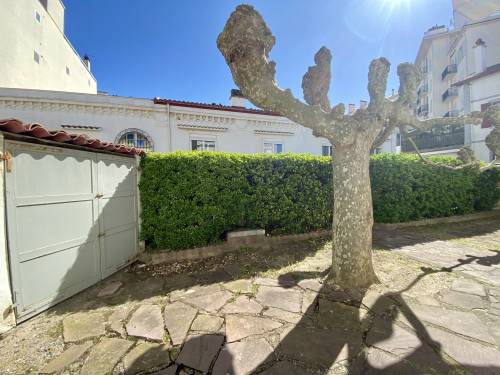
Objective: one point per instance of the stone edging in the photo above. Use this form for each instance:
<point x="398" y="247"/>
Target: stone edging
<point x="232" y="244"/>
<point x="440" y="220"/>
<point x="266" y="242"/>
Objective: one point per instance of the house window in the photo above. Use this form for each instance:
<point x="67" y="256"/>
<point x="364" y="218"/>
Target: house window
<point x="202" y="145"/>
<point x="67" y="70"/>
<point x="273" y="147"/>
<point x="36" y="57"/>
<point x="38" y="18"/>
<point x="135" y="138"/>
<point x="326" y="150"/>
<point x="398" y="139"/>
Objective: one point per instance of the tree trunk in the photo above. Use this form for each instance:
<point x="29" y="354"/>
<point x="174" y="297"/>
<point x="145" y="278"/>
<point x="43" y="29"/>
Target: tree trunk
<point x="352" y="266"/>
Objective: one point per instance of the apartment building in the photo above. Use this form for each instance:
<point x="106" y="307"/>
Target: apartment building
<point x="460" y="73"/>
<point x="35" y="53"/>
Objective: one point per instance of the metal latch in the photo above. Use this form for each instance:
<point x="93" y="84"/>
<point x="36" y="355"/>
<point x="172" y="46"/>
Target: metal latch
<point x="99" y="195"/>
<point x="7" y="157"/>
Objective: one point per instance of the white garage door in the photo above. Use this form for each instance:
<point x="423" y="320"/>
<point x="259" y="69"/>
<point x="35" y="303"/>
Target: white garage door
<point x="71" y="218"/>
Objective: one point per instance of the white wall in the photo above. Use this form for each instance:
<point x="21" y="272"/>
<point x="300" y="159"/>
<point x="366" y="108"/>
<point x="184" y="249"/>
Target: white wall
<point x="170" y="127"/>
<point x="240" y="132"/>
<point x="112" y="114"/>
<point x="21" y="35"/>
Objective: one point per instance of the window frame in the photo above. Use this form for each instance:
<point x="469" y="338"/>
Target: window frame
<point x="135" y="132"/>
<point x="274" y="143"/>
<point x="330" y="150"/>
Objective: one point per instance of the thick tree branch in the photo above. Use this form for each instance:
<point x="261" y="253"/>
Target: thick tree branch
<point x="245" y="43"/>
<point x="316" y="82"/>
<point x="377" y="85"/>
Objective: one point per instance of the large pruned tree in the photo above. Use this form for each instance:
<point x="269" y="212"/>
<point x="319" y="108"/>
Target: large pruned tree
<point x="245" y="43"/>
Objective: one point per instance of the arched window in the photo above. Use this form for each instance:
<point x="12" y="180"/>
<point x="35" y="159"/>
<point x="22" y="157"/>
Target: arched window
<point x="135" y="138"/>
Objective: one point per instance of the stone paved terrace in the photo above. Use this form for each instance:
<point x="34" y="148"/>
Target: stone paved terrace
<point x="436" y="310"/>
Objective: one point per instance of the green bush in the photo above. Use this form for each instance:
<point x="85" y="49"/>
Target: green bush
<point x="193" y="198"/>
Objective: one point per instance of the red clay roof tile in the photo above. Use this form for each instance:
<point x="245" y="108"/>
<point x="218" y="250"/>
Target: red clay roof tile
<point x="38" y="131"/>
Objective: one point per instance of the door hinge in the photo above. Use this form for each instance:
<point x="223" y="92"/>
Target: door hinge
<point x="7" y="157"/>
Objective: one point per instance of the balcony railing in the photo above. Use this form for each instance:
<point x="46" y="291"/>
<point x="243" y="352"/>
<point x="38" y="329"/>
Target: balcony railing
<point x="452" y="68"/>
<point x="424" y="69"/>
<point x="452" y="138"/>
<point x="451" y="92"/>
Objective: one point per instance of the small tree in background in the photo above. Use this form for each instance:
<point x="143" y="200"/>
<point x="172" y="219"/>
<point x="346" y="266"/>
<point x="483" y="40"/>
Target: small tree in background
<point x="245" y="43"/>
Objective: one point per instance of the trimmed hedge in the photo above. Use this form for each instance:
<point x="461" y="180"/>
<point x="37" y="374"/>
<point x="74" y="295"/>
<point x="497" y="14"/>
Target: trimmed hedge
<point x="193" y="198"/>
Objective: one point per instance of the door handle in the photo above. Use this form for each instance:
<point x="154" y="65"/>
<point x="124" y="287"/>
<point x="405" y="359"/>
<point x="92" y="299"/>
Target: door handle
<point x="99" y="195"/>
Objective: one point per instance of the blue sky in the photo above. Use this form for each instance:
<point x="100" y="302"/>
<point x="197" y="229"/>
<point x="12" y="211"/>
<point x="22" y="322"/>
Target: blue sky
<point x="168" y="49"/>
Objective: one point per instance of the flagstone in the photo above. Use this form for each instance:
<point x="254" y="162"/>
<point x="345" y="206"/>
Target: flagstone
<point x="287" y="316"/>
<point x="178" y="318"/>
<point x="207" y="323"/>
<point x="69" y="356"/>
<point x="200" y="351"/>
<point x="83" y="325"/>
<point x="146" y="322"/>
<point x="238" y="327"/>
<point x="477" y="358"/>
<point x="241" y="358"/>
<point x="242" y="305"/>
<point x="105" y="355"/>
<point x="468" y="286"/>
<point x="286" y="299"/>
<point x="209" y="302"/>
<point x="462" y="300"/>
<point x="239" y="286"/>
<point x="463" y="323"/>
<point x="146" y="356"/>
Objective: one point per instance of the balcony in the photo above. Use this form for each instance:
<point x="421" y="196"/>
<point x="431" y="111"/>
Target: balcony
<point x="452" y="113"/>
<point x="450" y="93"/>
<point x="423" y="110"/>
<point x="451" y="137"/>
<point x="450" y="69"/>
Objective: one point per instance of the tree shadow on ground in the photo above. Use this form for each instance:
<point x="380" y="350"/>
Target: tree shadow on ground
<point x="149" y="282"/>
<point x="341" y="332"/>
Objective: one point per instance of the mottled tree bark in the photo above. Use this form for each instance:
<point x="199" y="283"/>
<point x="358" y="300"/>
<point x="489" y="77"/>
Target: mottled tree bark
<point x="352" y="217"/>
<point x="245" y="43"/>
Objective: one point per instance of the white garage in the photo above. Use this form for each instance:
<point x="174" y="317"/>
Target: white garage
<point x="71" y="218"/>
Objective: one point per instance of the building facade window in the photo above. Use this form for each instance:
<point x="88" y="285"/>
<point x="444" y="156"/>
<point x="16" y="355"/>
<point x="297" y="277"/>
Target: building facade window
<point x="202" y="145"/>
<point x="273" y="147"/>
<point x="67" y="71"/>
<point x="135" y="138"/>
<point x="36" y="57"/>
<point x="326" y="150"/>
<point x="38" y="18"/>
